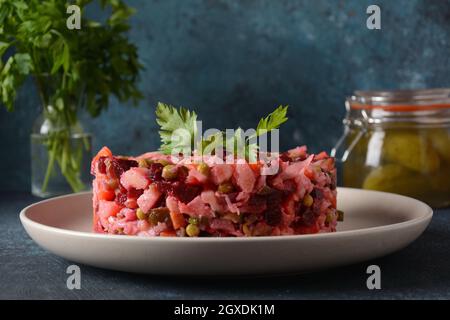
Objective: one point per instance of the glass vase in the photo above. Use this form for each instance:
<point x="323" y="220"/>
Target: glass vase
<point x="60" y="158"/>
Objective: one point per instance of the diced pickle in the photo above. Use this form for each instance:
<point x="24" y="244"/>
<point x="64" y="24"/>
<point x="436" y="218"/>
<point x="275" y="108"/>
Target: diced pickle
<point x="156" y="215"/>
<point x="225" y="187"/>
<point x="412" y="150"/>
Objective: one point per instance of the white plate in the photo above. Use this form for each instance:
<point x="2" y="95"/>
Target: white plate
<point x="376" y="224"/>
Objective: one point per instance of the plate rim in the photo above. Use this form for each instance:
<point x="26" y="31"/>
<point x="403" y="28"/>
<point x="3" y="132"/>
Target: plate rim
<point x="426" y="218"/>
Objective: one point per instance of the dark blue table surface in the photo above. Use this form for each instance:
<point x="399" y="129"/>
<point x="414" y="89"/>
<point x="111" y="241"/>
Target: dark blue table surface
<point x="420" y="271"/>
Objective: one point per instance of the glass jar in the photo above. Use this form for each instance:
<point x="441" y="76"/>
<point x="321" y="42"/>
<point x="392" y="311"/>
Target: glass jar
<point x="60" y="157"/>
<point x="398" y="141"/>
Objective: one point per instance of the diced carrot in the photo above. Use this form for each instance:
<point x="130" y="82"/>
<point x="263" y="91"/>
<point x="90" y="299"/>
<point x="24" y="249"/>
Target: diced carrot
<point x="320" y="156"/>
<point x="168" y="233"/>
<point x="255" y="167"/>
<point x="106" y="195"/>
<point x="177" y="220"/>
<point x="333" y="202"/>
<point x="104" y="152"/>
<point x="309" y="173"/>
<point x="307" y="229"/>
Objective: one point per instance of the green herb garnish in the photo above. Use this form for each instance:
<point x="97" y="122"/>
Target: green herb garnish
<point x="171" y="119"/>
<point x="272" y="121"/>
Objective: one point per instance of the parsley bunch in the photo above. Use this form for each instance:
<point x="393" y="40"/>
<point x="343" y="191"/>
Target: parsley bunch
<point x="72" y="69"/>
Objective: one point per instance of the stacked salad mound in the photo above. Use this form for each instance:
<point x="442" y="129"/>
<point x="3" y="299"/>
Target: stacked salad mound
<point x="152" y="195"/>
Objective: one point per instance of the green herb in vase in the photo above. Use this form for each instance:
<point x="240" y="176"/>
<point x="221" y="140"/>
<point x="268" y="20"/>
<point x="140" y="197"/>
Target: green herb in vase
<point x="73" y="70"/>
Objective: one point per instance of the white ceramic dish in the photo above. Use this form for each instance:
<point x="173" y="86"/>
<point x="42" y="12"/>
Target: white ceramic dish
<point x="376" y="224"/>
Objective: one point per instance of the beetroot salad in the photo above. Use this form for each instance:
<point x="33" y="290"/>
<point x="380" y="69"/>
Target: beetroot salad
<point x="150" y="196"/>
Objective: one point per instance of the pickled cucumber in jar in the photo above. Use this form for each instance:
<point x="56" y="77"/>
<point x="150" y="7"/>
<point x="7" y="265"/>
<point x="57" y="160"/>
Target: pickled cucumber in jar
<point x="412" y="150"/>
<point x="404" y="146"/>
<point x="397" y="179"/>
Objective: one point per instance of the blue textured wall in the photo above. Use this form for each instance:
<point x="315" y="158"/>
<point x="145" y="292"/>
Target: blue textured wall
<point x="234" y="60"/>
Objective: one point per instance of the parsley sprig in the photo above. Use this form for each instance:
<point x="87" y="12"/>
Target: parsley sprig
<point x="171" y="119"/>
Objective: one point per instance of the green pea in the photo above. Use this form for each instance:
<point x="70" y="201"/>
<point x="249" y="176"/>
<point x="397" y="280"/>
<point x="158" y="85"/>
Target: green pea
<point x="141" y="215"/>
<point x="169" y="172"/>
<point x="192" y="230"/>
<point x="203" y="168"/>
<point x="308" y="200"/>
<point x="226" y="187"/>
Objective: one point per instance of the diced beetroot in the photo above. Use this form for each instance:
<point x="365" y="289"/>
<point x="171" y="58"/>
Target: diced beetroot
<point x="101" y="166"/>
<point x="126" y="163"/>
<point x="273" y="216"/>
<point x="121" y="198"/>
<point x="135" y="178"/>
<point x="113" y="168"/>
<point x="134" y="193"/>
<point x="184" y="192"/>
<point x="182" y="173"/>
<point x="149" y="198"/>
<point x="221" y="173"/>
<point x="245" y="178"/>
<point x="156" y="171"/>
<point x="104" y="152"/>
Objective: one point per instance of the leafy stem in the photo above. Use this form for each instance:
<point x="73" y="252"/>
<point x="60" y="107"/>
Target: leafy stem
<point x="171" y="119"/>
<point x="72" y="70"/>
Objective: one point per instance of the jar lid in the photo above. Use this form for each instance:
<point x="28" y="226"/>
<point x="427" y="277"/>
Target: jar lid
<point x="401" y="100"/>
